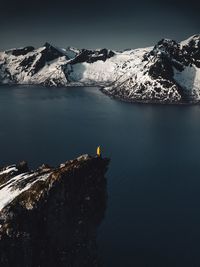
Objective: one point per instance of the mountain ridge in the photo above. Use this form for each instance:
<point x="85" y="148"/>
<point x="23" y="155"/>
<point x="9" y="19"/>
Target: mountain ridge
<point x="169" y="72"/>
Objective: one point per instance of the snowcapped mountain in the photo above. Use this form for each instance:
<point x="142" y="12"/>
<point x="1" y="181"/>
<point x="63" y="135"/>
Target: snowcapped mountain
<point x="169" y="72"/>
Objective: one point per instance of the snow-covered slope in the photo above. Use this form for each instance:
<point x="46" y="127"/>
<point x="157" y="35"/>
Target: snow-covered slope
<point x="16" y="179"/>
<point x="36" y="66"/>
<point x="169" y="72"/>
<point x="14" y="183"/>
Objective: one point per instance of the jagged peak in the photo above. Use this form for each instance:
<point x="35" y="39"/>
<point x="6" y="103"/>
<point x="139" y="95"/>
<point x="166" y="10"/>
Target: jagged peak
<point x="164" y="48"/>
<point x="47" y="45"/>
<point x="166" y="44"/>
<point x="188" y="40"/>
<point x="193" y="40"/>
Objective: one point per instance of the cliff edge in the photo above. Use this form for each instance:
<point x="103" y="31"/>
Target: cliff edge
<point x="49" y="217"/>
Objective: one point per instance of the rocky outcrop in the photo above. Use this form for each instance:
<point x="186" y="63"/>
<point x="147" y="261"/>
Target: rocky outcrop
<point x="91" y="56"/>
<point x="191" y="50"/>
<point x="21" y="51"/>
<point x="49" y="217"/>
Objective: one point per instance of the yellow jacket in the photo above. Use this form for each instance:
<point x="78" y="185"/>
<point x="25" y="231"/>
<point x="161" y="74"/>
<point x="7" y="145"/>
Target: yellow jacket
<point x="99" y="151"/>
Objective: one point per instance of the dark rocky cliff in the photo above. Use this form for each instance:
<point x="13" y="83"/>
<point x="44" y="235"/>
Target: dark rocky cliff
<point x="54" y="216"/>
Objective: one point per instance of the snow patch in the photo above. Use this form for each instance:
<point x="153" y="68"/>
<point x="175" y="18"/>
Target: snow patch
<point x="9" y="169"/>
<point x="189" y="79"/>
<point x="11" y="189"/>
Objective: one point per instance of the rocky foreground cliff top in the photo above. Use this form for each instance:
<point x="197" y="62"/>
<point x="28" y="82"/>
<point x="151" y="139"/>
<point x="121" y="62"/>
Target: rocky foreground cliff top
<point x="49" y="217"/>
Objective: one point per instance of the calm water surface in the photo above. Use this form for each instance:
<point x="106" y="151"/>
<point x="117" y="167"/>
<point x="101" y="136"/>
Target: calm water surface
<point x="153" y="213"/>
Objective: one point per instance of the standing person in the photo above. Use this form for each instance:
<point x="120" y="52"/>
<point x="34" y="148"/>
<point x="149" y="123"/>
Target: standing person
<point x="99" y="151"/>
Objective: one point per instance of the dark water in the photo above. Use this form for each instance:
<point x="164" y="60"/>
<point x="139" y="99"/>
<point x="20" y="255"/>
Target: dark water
<point x="153" y="213"/>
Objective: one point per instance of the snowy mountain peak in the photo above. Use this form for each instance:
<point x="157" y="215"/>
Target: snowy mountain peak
<point x="47" y="45"/>
<point x="167" y="73"/>
<point x="193" y="40"/>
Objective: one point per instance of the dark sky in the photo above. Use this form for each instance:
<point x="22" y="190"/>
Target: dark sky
<point x="94" y="24"/>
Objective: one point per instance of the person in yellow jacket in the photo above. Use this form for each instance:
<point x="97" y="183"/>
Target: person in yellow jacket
<point x="99" y="151"/>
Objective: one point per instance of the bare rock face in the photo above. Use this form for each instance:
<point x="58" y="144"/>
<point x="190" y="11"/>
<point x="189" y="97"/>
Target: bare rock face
<point x="91" y="56"/>
<point x="22" y="51"/>
<point x="50" y="216"/>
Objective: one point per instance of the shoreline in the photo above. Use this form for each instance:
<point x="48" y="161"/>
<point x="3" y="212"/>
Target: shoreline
<point x="101" y="88"/>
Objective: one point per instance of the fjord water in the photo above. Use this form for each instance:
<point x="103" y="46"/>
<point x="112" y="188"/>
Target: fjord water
<point x="153" y="208"/>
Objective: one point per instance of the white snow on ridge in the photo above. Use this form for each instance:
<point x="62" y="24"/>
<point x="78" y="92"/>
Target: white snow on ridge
<point x="189" y="79"/>
<point x="194" y="37"/>
<point x="52" y="70"/>
<point x="9" y="191"/>
<point x="127" y="74"/>
<point x="8" y="169"/>
<point x="105" y="72"/>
